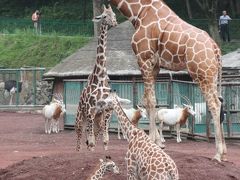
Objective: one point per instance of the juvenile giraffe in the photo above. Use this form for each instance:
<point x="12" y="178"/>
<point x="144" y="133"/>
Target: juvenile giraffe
<point x="96" y="89"/>
<point x="164" y="40"/>
<point x="145" y="159"/>
<point x="102" y="167"/>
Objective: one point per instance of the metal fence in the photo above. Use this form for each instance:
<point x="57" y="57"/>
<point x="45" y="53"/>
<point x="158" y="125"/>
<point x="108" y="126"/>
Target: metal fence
<point x="168" y="94"/>
<point x="10" y="25"/>
<point x="23" y="87"/>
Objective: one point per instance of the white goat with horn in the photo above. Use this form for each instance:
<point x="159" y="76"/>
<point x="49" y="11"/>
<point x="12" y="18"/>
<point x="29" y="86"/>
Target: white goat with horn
<point x="134" y="115"/>
<point x="52" y="113"/>
<point x="174" y="117"/>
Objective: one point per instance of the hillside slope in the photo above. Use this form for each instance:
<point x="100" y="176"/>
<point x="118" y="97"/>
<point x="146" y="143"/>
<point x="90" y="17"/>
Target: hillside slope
<point x="27" y="49"/>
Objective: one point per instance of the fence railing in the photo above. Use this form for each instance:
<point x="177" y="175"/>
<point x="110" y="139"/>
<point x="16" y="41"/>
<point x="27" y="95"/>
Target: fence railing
<point x="23" y="87"/>
<point x="10" y="25"/>
<point x="168" y="94"/>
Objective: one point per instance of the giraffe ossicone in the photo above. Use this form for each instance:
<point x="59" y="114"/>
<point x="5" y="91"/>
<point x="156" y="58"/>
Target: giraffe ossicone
<point x="97" y="88"/>
<point x="163" y="39"/>
<point x="105" y="165"/>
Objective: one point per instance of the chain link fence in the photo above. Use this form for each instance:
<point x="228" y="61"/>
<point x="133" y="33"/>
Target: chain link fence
<point x="11" y="25"/>
<point x="85" y="28"/>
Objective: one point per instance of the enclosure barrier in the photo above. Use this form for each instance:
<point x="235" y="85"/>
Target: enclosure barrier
<point x="168" y="94"/>
<point x="23" y="87"/>
<point x="85" y="27"/>
<point x="11" y="25"/>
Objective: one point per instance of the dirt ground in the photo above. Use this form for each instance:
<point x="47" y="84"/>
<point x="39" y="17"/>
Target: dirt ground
<point x="26" y="152"/>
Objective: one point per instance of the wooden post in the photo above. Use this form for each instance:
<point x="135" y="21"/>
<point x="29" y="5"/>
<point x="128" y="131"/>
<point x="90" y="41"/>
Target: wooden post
<point x="228" y="116"/>
<point x="97" y="10"/>
<point x="135" y="92"/>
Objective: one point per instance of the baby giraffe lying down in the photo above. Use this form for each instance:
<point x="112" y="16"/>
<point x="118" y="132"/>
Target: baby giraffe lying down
<point x="102" y="167"/>
<point x="145" y="159"/>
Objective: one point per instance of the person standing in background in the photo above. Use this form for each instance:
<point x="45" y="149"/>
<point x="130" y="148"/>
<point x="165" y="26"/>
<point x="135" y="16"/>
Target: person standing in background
<point x="224" y="26"/>
<point x="36" y="21"/>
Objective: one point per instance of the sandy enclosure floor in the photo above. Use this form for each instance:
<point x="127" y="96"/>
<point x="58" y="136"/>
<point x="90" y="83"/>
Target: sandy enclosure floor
<point x="26" y="152"/>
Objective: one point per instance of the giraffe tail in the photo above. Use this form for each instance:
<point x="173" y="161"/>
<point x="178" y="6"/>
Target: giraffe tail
<point x="219" y="76"/>
<point x="220" y="86"/>
<point x="221" y="110"/>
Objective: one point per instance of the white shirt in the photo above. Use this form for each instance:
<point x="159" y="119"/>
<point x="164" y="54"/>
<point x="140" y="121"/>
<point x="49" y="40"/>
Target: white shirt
<point x="224" y="19"/>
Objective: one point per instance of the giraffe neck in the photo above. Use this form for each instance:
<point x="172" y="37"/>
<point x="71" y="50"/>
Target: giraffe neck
<point x="102" y="41"/>
<point x="99" y="73"/>
<point x="131" y="11"/>
<point x="136" y="10"/>
<point x="99" y="172"/>
<point x="125" y="123"/>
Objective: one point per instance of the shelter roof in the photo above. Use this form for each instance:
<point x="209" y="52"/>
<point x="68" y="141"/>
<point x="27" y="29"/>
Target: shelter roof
<point x="120" y="57"/>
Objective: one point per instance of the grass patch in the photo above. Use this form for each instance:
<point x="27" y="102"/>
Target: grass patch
<point x="27" y="49"/>
<point x="229" y="47"/>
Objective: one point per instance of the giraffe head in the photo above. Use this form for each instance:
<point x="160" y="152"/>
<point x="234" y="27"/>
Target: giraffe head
<point x="108" y="103"/>
<point x="108" y="17"/>
<point x="109" y="165"/>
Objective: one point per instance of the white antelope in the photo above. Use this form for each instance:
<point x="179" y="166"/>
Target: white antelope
<point x="134" y="115"/>
<point x="174" y="117"/>
<point x="52" y="114"/>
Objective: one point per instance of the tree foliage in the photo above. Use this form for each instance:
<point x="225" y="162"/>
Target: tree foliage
<point x="83" y="9"/>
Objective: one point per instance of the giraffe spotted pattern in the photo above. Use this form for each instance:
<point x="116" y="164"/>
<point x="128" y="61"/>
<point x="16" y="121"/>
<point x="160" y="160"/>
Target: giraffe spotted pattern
<point x="97" y="88"/>
<point x="164" y="40"/>
<point x="145" y="159"/>
<point x="105" y="165"/>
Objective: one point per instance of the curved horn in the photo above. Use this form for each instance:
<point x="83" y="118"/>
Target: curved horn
<point x="58" y="96"/>
<point x="187" y="100"/>
<point x="109" y="6"/>
<point x="104" y="7"/>
<point x="141" y="103"/>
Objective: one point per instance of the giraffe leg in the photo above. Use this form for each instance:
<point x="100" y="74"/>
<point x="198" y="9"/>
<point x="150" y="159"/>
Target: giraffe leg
<point x="214" y="105"/>
<point x="224" y="158"/>
<point x="150" y="103"/>
<point x="90" y="135"/>
<point x="97" y="126"/>
<point x="149" y="67"/>
<point x="79" y="129"/>
<point x="119" y="129"/>
<point x="106" y="120"/>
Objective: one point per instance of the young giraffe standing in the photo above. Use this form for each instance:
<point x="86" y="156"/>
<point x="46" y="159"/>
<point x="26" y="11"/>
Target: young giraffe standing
<point x="96" y="89"/>
<point x="105" y="165"/>
<point x="145" y="159"/>
<point x="162" y="39"/>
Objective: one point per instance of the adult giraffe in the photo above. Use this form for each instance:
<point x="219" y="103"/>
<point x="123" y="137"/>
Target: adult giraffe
<point x="162" y="39"/>
<point x="97" y="88"/>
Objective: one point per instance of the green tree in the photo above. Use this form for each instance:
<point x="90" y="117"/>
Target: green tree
<point x="209" y="7"/>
